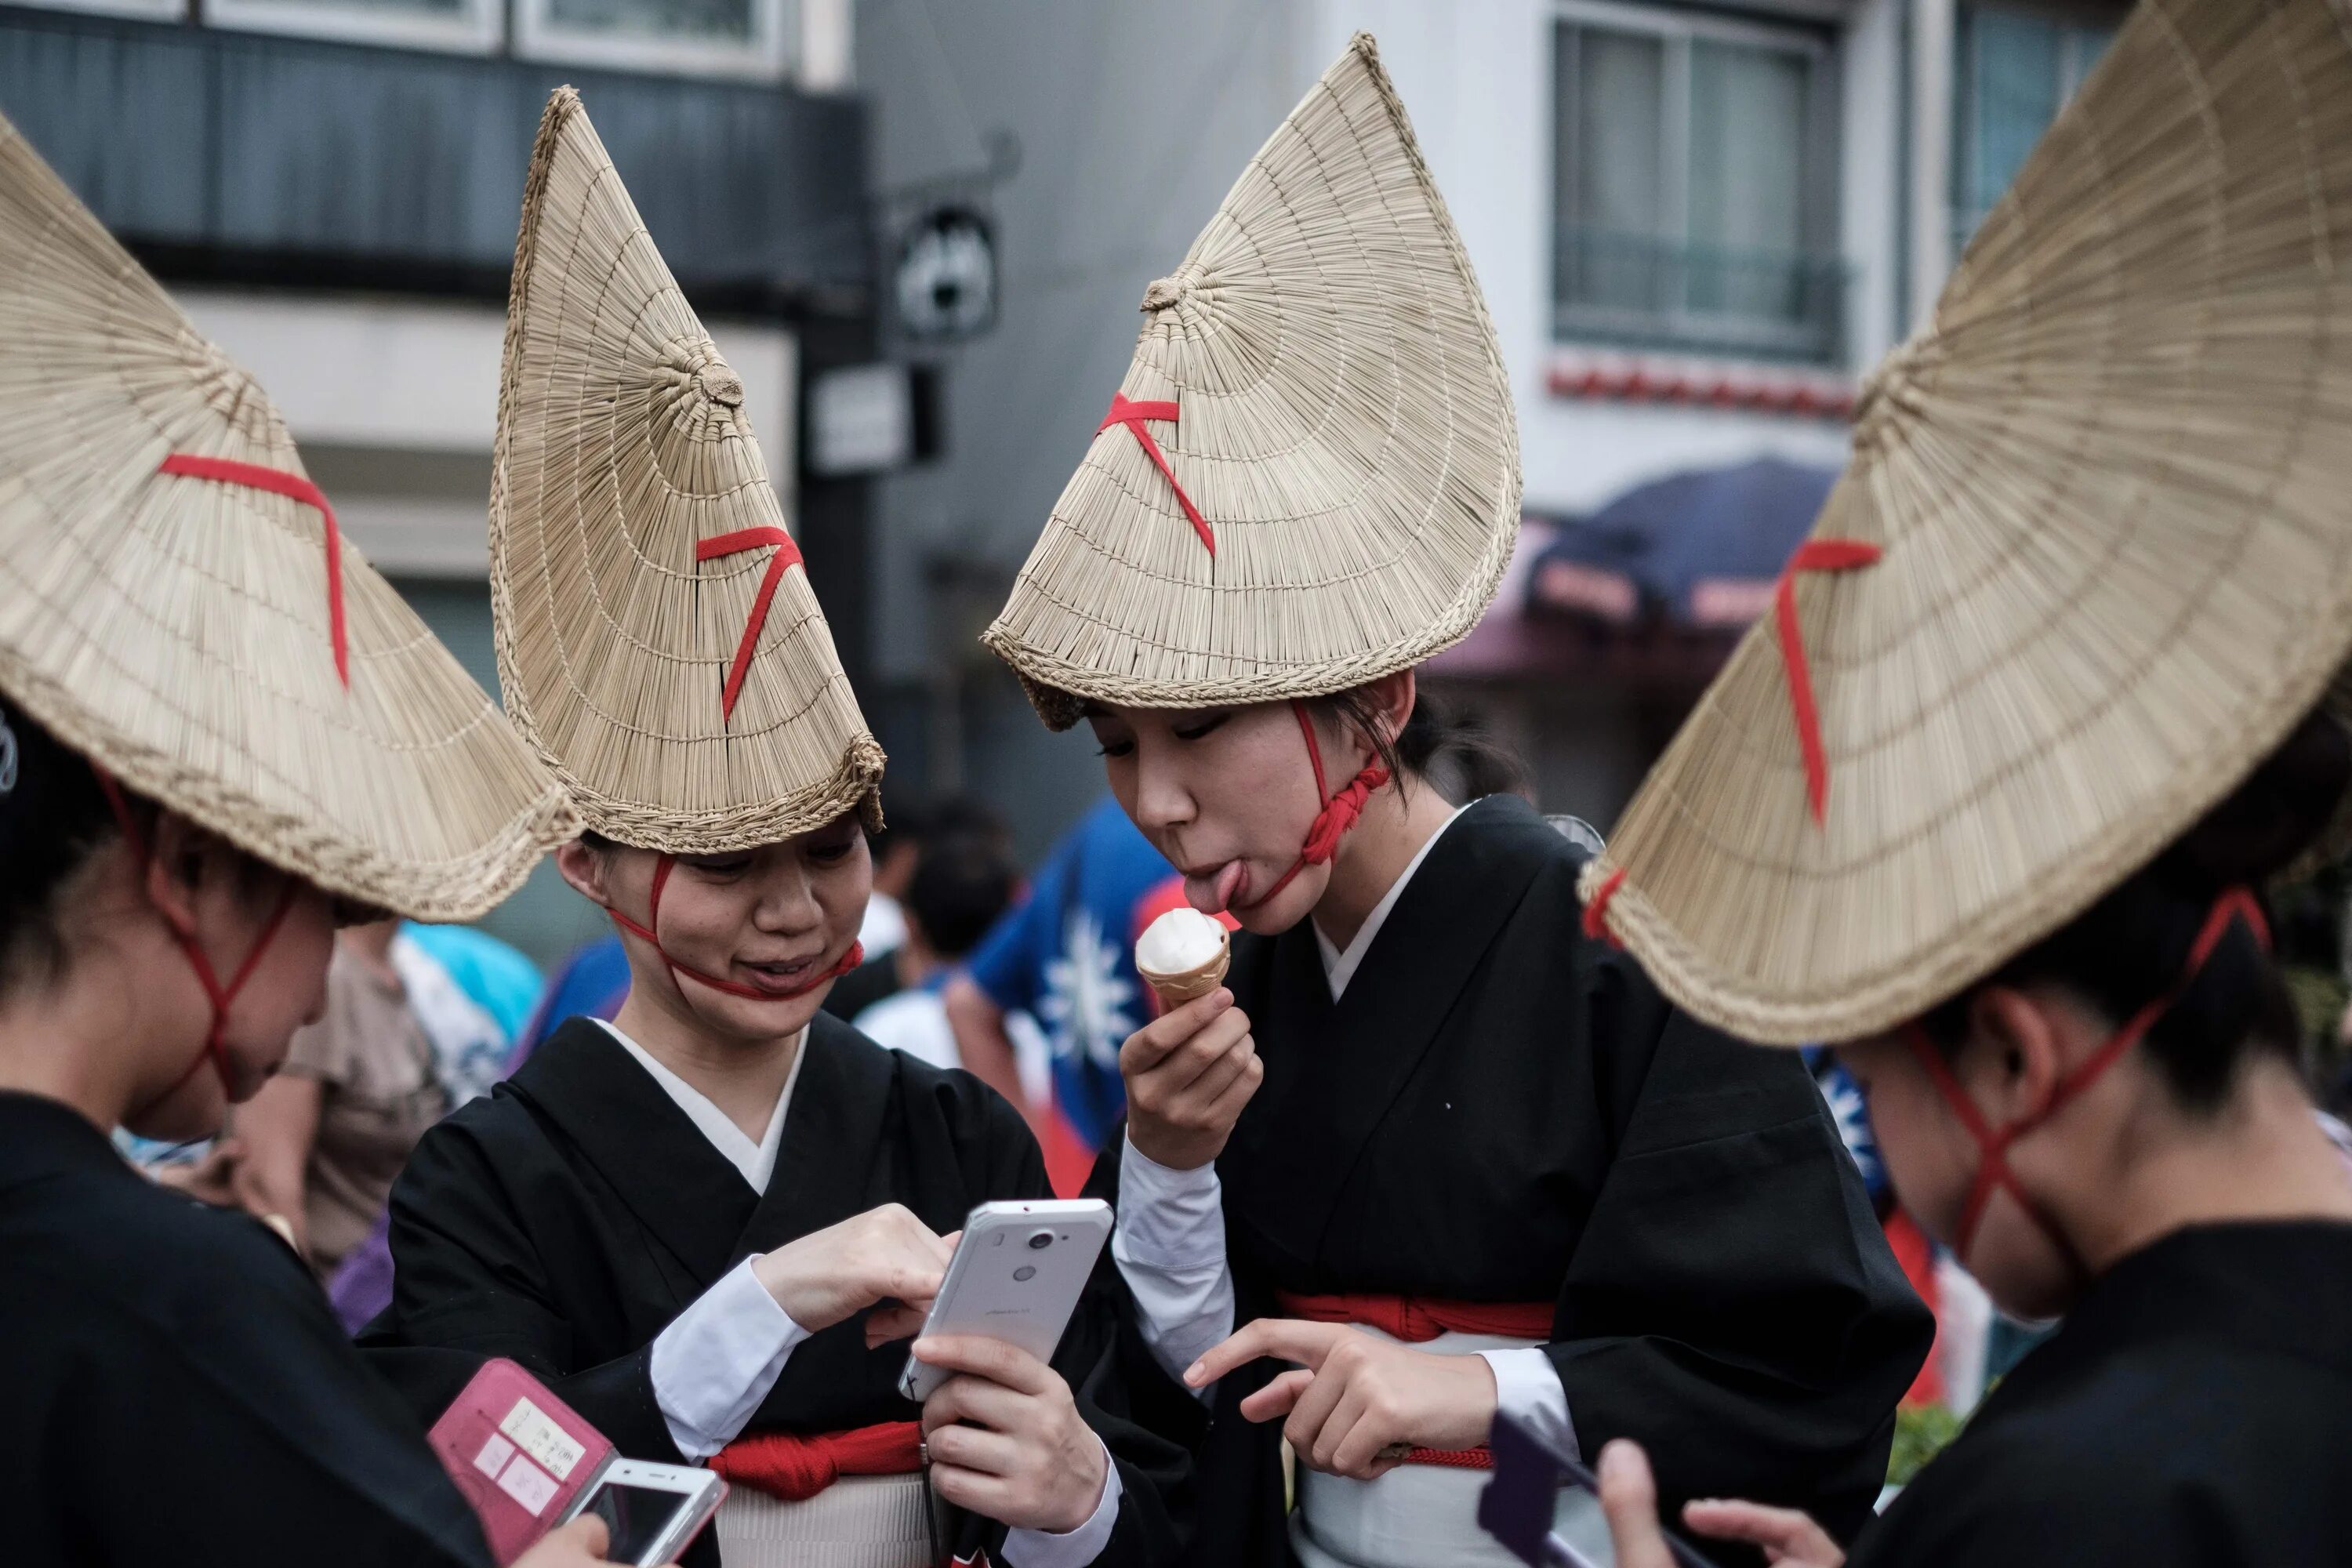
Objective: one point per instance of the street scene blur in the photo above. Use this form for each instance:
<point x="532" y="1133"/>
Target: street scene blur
<point x="1660" y="251"/>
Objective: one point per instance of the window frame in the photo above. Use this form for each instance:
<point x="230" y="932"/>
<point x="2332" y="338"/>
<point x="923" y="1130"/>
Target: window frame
<point x="2073" y="20"/>
<point x="480" y="29"/>
<point x="773" y="54"/>
<point x="143" y="10"/>
<point x="1822" y="151"/>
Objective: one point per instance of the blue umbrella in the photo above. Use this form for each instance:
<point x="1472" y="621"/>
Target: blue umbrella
<point x="1699" y="549"/>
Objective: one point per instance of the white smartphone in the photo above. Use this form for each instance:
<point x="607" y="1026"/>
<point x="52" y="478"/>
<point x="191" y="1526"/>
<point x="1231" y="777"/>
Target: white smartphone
<point x="1016" y="1276"/>
<point x="653" y="1511"/>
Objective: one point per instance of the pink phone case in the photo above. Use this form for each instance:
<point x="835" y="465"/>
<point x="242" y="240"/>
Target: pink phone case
<point x="520" y="1455"/>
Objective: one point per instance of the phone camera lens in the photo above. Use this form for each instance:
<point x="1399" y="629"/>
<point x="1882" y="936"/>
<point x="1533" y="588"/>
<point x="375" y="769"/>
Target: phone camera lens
<point x="1039" y="1240"/>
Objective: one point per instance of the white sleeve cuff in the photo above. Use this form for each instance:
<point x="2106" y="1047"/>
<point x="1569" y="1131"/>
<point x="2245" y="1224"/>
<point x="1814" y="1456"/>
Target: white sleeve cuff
<point x="1043" y="1549"/>
<point x="1527" y="1389"/>
<point x="1169" y="1243"/>
<point x="718" y="1360"/>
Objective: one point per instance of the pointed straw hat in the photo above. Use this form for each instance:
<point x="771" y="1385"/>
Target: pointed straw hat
<point x="1310" y="475"/>
<point x="2090" y="562"/>
<point x="176" y="605"/>
<point x="658" y="637"/>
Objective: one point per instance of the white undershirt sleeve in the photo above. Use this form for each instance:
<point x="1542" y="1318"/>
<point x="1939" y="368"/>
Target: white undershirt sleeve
<point x="1527" y="1389"/>
<point x="1043" y="1549"/>
<point x="1169" y="1243"/>
<point x="718" y="1360"/>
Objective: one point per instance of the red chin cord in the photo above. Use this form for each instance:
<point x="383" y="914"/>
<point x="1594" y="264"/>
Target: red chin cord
<point x="645" y="933"/>
<point x="1993" y="1171"/>
<point x="1339" y="813"/>
<point x="216" y="1048"/>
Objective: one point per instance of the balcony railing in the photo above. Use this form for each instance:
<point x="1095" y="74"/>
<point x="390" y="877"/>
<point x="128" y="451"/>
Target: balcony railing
<point x="1645" y="292"/>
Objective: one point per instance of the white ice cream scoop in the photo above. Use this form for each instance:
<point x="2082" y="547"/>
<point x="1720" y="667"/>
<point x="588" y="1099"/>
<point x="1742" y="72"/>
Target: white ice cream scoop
<point x="1182" y="954"/>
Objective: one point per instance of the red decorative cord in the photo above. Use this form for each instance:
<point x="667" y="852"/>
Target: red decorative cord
<point x="787" y="555"/>
<point x="1339" y="813"/>
<point x="1814" y="555"/>
<point x="276" y="481"/>
<point x="1132" y="416"/>
<point x="662" y="868"/>
<point x="1596" y="914"/>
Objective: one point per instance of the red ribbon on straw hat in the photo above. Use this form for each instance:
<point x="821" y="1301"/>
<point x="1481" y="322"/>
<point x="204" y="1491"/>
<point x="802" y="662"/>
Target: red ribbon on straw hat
<point x="1132" y="414"/>
<point x="1814" y="555"/>
<point x="278" y="482"/>
<point x="787" y="555"/>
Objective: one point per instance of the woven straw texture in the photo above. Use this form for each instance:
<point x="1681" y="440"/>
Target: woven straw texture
<point x="2113" y="485"/>
<point x="622" y="444"/>
<point x="177" y="629"/>
<point x="1346" y="432"/>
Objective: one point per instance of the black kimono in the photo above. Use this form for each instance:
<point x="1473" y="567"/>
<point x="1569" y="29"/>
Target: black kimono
<point x="174" y="1388"/>
<point x="567" y="1219"/>
<point x="1502" y="1109"/>
<point x="2194" y="1409"/>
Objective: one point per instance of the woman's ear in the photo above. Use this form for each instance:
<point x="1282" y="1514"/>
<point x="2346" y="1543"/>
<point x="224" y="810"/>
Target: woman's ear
<point x="1391" y="700"/>
<point x="584" y="867"/>
<point x="177" y="850"/>
<point x="2019" y="1045"/>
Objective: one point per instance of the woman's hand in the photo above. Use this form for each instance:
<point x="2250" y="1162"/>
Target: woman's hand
<point x="215" y="1179"/>
<point x="1188" y="1074"/>
<point x="883" y="1254"/>
<point x="580" y="1544"/>
<point x="1629" y="1496"/>
<point x="1358" y="1402"/>
<point x="1006" y="1437"/>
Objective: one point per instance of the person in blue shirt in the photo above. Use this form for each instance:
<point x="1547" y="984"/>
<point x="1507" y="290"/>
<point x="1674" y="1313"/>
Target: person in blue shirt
<point x="1066" y="955"/>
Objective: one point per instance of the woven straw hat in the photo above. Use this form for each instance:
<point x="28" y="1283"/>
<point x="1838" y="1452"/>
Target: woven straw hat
<point x="657" y="639"/>
<point x="175" y="602"/>
<point x="2107" y="490"/>
<point x="1311" y="477"/>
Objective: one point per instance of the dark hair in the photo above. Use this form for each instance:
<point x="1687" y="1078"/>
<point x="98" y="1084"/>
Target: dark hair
<point x="2133" y="944"/>
<point x="52" y="819"/>
<point x="1448" y="747"/>
<point x="960" y="885"/>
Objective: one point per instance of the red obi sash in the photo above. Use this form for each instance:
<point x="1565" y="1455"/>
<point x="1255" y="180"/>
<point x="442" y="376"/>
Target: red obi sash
<point x="795" y="1467"/>
<point x="1417" y="1321"/>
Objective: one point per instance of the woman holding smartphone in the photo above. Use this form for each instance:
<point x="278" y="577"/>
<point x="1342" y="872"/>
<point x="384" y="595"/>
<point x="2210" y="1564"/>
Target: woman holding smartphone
<point x="1429" y="1144"/>
<point x="712" y="1224"/>
<point x="218" y="739"/>
<point x="2078" y="701"/>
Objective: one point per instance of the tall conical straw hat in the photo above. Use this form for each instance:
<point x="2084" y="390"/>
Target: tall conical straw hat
<point x="2111" y="492"/>
<point x="176" y="605"/>
<point x="657" y="637"/>
<point x="1311" y="475"/>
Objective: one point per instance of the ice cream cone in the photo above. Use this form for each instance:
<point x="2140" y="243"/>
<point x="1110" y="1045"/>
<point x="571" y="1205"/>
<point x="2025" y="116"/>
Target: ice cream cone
<point x="1175" y="990"/>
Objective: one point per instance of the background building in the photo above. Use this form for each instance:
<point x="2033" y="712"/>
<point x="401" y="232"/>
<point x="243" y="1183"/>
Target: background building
<point x="1696" y="223"/>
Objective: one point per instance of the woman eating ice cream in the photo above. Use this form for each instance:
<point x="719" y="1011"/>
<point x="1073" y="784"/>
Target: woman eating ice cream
<point x="1428" y="1145"/>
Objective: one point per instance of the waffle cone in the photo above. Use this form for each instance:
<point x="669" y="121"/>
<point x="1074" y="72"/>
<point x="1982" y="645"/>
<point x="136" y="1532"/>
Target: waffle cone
<point x="1175" y="990"/>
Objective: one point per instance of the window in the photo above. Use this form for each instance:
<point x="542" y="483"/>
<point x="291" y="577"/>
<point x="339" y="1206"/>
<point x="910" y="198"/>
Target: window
<point x="470" y="27"/>
<point x="718" y="38"/>
<point x="1695" y="183"/>
<point x="2013" y="69"/>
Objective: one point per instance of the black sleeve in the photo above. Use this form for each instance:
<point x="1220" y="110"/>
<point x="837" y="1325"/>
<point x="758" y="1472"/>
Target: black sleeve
<point x="468" y="1283"/>
<point x="1732" y="1302"/>
<point x="265" y="1441"/>
<point x="1113" y="1380"/>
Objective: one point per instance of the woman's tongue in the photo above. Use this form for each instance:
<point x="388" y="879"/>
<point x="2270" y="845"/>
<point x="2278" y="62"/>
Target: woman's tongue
<point x="1214" y="895"/>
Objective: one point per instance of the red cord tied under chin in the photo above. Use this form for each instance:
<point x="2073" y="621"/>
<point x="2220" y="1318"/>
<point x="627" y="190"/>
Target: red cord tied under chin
<point x="787" y="556"/>
<point x="645" y="933"/>
<point x="1132" y="414"/>
<point x="1339" y="813"/>
<point x="276" y="481"/>
<point x="1814" y="555"/>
